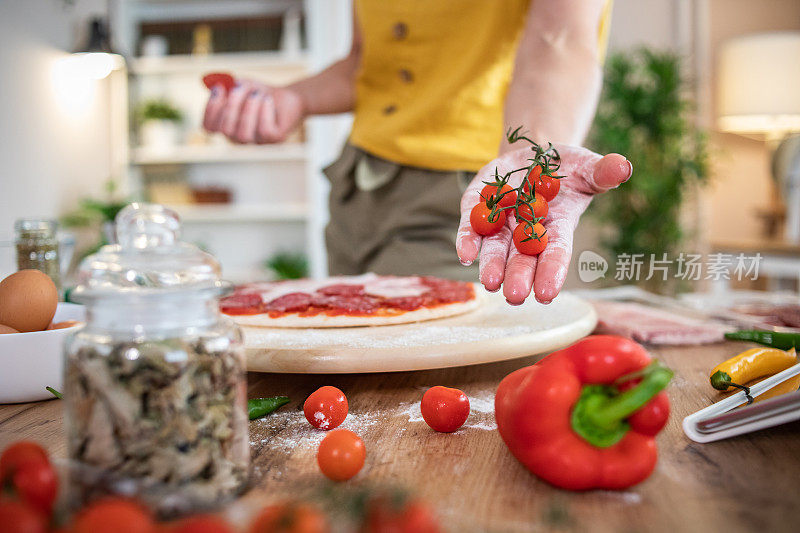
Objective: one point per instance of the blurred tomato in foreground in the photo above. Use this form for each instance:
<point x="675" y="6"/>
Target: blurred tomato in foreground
<point x="113" y="515"/>
<point x="289" y="517"/>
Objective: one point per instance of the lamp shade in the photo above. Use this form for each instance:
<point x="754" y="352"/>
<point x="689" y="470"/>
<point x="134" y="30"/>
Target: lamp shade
<point x="758" y="82"/>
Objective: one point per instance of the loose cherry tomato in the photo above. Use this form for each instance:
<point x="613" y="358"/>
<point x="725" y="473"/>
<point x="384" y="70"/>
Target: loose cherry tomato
<point x="326" y="408"/>
<point x="37" y="485"/>
<point x="444" y="409"/>
<point x="509" y="195"/>
<point x="548" y="187"/>
<point x="479" y="219"/>
<point x="219" y="78"/>
<point x="114" y="515"/>
<point x="386" y="516"/>
<point x="341" y="455"/>
<point x="536" y="239"/>
<point x="289" y="517"/>
<point x="201" y="524"/>
<point x="19" y="453"/>
<point x="19" y="517"/>
<point x="540" y="209"/>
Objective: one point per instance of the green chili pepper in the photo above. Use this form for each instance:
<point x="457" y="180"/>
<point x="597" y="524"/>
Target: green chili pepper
<point x="54" y="392"/>
<point x="258" y="407"/>
<point x="775" y="339"/>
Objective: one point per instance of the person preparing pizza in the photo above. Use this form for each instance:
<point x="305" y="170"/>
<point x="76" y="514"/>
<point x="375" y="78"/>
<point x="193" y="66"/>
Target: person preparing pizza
<point x="434" y="87"/>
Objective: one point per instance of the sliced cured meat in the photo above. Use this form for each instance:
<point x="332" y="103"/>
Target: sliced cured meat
<point x="408" y="303"/>
<point x="345" y="304"/>
<point x="790" y="315"/>
<point x="241" y="304"/>
<point x="362" y="300"/>
<point x="654" y="326"/>
<point x="342" y="289"/>
<point x="288" y="303"/>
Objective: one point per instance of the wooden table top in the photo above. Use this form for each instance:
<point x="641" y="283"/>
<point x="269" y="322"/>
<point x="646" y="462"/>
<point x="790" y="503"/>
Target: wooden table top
<point x="742" y="484"/>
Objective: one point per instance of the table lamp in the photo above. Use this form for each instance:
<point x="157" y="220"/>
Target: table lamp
<point x="95" y="58"/>
<point x="758" y="81"/>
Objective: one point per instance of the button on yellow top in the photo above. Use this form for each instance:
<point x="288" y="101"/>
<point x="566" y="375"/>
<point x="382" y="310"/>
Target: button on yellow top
<point x="433" y="79"/>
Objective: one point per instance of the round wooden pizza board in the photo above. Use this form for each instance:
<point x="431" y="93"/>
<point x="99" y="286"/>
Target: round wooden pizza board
<point x="496" y="331"/>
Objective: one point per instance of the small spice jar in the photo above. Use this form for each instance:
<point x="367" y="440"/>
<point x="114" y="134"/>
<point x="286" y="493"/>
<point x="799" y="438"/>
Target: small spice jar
<point x="37" y="246"/>
<point x="155" y="383"/>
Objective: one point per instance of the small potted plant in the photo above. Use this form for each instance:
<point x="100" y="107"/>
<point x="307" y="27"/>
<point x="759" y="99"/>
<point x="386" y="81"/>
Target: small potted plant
<point x="159" y="124"/>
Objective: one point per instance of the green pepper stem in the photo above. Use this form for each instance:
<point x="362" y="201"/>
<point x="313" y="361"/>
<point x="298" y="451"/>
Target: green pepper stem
<point x="721" y="381"/>
<point x="616" y="409"/>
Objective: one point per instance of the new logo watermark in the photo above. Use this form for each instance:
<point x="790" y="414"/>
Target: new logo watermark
<point x="686" y="266"/>
<point x="591" y="266"/>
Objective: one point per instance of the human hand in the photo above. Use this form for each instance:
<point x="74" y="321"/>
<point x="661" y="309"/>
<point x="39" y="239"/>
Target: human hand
<point x="253" y="112"/>
<point x="585" y="174"/>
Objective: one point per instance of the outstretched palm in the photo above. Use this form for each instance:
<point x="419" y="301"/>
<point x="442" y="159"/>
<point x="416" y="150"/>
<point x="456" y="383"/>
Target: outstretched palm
<point x="585" y="174"/>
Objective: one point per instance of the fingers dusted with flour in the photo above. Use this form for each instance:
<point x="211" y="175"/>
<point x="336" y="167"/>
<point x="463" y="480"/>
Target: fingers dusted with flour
<point x="537" y="257"/>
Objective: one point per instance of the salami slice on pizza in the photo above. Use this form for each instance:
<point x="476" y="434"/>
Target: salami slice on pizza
<point x="346" y="301"/>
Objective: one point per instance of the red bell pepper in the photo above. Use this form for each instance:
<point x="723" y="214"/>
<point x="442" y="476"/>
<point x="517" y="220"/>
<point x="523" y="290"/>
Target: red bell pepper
<point x="586" y="417"/>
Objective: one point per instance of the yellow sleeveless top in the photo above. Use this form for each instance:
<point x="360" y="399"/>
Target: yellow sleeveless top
<point x="433" y="79"/>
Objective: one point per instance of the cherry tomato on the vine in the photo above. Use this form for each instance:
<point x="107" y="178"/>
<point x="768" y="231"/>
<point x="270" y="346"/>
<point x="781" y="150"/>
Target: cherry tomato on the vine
<point x="37" y="485"/>
<point x="114" y="515"/>
<point x="326" y="408"/>
<point x="289" y="517"/>
<point x="548" y="187"/>
<point x="531" y="179"/>
<point x="341" y="455"/>
<point x="444" y="409"/>
<point x="19" y="517"/>
<point x="509" y="195"/>
<point x="536" y="238"/>
<point x="18" y="454"/>
<point x="479" y="220"/>
<point x="540" y="209"/>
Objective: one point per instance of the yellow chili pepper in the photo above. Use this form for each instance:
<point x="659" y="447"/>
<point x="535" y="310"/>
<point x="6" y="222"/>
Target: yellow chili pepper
<point x="749" y="365"/>
<point x="790" y="385"/>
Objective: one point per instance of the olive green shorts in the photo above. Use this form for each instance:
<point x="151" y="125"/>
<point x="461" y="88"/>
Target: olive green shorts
<point x="392" y="219"/>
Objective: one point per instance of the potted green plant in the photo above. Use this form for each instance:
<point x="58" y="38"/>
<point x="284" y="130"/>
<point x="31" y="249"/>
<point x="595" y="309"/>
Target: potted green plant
<point x="159" y="124"/>
<point x="644" y="114"/>
<point x="287" y="265"/>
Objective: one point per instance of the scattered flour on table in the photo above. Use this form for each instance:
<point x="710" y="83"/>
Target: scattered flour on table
<point x="481" y="412"/>
<point x="631" y="498"/>
<point x="289" y="431"/>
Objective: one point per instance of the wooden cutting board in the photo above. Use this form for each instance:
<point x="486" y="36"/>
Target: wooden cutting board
<point x="496" y="331"/>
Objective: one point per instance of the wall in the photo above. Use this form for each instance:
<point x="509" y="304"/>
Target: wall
<point x="53" y="133"/>
<point x="742" y="183"/>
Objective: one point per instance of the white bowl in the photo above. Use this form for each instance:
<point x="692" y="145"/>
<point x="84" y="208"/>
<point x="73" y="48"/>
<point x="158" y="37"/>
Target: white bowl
<point x="29" y="362"/>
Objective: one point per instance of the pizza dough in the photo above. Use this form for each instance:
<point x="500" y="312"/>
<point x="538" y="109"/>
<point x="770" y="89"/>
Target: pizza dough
<point x="349" y="301"/>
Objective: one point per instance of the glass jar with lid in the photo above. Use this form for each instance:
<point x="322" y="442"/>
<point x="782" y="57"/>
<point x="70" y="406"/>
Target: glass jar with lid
<point x="155" y="383"/>
<point x="37" y="246"/>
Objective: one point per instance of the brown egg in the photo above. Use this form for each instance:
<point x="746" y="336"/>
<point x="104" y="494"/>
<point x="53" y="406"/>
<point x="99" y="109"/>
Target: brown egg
<point x="28" y="300"/>
<point x="6" y="329"/>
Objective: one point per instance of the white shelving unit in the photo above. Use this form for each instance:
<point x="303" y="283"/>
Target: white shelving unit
<point x="218" y="153"/>
<point x="278" y="190"/>
<point x="176" y="64"/>
<point x="235" y="213"/>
